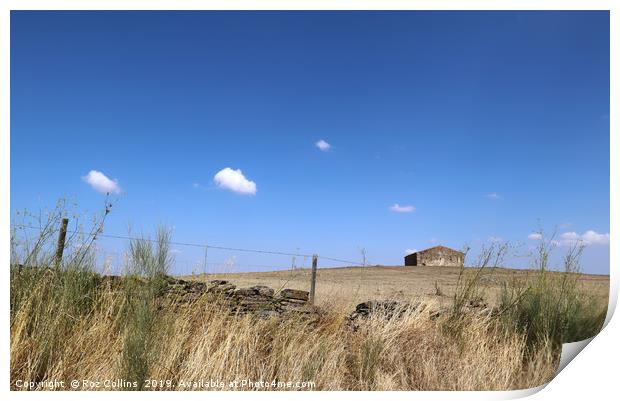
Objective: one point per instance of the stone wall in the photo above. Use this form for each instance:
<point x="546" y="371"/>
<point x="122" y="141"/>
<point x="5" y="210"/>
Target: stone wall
<point x="260" y="300"/>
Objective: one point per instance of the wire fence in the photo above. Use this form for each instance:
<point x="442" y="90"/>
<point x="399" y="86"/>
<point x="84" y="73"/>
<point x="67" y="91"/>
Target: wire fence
<point x="193" y="258"/>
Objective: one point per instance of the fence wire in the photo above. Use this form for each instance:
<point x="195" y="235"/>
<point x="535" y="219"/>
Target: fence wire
<point x="206" y="258"/>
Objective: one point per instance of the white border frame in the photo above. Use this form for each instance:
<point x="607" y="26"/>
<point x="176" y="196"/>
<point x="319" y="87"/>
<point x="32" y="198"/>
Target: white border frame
<point x="591" y="374"/>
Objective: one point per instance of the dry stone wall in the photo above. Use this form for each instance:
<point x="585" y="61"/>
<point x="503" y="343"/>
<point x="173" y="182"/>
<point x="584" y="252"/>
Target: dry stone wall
<point x="260" y="300"/>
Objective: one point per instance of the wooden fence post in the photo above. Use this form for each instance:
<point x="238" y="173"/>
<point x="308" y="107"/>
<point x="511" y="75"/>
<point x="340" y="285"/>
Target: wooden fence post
<point x="60" y="247"/>
<point x="313" y="282"/>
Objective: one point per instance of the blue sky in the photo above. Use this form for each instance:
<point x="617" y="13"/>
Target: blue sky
<point x="445" y="128"/>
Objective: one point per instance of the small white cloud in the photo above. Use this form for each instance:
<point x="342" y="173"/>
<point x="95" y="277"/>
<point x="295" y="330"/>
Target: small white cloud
<point x="496" y="239"/>
<point x="402" y="209"/>
<point x="589" y="237"/>
<point x="100" y="183"/>
<point x="410" y="251"/>
<point x="592" y="237"/>
<point x="235" y="181"/>
<point x="570" y="236"/>
<point x="323" y="145"/>
<point x="494" y="196"/>
<point x="535" y="236"/>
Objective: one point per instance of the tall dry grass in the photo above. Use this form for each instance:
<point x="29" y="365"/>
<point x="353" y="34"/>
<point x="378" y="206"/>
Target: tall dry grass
<point x="69" y="323"/>
<point x="202" y="341"/>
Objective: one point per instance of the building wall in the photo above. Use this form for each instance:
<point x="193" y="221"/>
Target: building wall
<point x="435" y="257"/>
<point x="411" y="260"/>
<point x="440" y="259"/>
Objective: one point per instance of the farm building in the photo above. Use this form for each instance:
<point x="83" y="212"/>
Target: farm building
<point x="436" y="256"/>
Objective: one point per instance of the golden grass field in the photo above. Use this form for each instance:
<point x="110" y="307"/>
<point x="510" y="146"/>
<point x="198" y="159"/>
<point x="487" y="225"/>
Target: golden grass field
<point x="65" y="326"/>
<point x="348" y="286"/>
<point x="68" y="323"/>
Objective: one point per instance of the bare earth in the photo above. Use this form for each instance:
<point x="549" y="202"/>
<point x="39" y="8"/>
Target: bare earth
<point x="347" y="286"/>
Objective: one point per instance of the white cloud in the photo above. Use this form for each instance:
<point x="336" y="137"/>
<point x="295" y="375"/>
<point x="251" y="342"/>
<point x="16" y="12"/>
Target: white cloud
<point x="235" y="181"/>
<point x="402" y="209"/>
<point x="592" y="237"/>
<point x="410" y="251"/>
<point x="496" y="239"/>
<point x="494" y="196"/>
<point x="589" y="237"/>
<point x="100" y="183"/>
<point x="323" y="145"/>
<point x="568" y="238"/>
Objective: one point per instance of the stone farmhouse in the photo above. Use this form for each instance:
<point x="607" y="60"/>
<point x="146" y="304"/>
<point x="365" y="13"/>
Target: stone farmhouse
<point x="436" y="256"/>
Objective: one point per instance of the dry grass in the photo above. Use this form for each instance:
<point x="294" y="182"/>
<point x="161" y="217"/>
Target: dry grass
<point x="66" y="325"/>
<point x="344" y="288"/>
<point x="202" y="342"/>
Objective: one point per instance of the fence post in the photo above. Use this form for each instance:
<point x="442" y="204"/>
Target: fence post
<point x="60" y="247"/>
<point x="313" y="282"/>
<point x="205" y="266"/>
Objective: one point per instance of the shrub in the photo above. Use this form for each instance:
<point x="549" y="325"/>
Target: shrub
<point x="144" y="282"/>
<point x="551" y="307"/>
